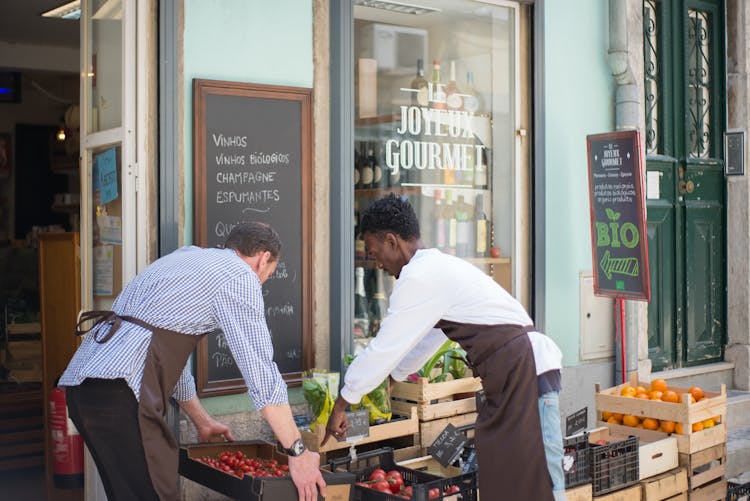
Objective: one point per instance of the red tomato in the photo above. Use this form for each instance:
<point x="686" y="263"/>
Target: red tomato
<point x="407" y="490"/>
<point x="377" y="474"/>
<point x="393" y="473"/>
<point x="395" y="483"/>
<point x="433" y="493"/>
<point x="453" y="489"/>
<point x="381" y="485"/>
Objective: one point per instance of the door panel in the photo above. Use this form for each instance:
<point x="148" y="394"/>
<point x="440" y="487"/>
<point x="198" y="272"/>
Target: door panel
<point x="661" y="244"/>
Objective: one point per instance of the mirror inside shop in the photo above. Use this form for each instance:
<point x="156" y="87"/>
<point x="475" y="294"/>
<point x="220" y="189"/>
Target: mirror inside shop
<point x="434" y="122"/>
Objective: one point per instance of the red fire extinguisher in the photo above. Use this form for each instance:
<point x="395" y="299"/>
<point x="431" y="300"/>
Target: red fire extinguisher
<point x="67" y="444"/>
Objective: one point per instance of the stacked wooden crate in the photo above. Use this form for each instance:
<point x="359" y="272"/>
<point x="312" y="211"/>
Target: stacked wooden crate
<point x="437" y="404"/>
<point x="702" y="452"/>
<point x="401" y="434"/>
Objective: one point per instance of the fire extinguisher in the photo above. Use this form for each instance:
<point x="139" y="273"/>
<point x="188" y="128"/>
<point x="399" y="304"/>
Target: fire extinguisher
<point x="67" y="444"/>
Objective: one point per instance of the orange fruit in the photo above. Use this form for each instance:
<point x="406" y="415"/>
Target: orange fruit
<point x="708" y="423"/>
<point x="659" y="385"/>
<point x="606" y="415"/>
<point x="640" y="389"/>
<point x="696" y="392"/>
<point x="697" y="426"/>
<point x="651" y="423"/>
<point x="716" y="419"/>
<point x="627" y="391"/>
<point x="655" y="395"/>
<point x="670" y="396"/>
<point x="614" y="420"/>
<point x="643" y="396"/>
<point x="667" y="426"/>
<point x="678" y="428"/>
<point x="630" y="420"/>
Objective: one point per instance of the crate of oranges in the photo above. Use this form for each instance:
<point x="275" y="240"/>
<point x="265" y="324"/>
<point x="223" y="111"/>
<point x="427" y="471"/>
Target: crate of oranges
<point x="651" y="410"/>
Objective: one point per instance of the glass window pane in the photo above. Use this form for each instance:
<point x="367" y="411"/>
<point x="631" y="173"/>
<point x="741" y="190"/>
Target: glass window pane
<point x="104" y="60"/>
<point x="435" y="114"/>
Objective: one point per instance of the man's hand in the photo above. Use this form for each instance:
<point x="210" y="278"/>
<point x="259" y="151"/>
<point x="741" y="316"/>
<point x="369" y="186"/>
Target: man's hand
<point x="213" y="429"/>
<point x="206" y="426"/>
<point x="305" y="472"/>
<point x="337" y="422"/>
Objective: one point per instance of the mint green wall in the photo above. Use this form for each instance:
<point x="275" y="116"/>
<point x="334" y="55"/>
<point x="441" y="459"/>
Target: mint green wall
<point x="254" y="41"/>
<point x="579" y="100"/>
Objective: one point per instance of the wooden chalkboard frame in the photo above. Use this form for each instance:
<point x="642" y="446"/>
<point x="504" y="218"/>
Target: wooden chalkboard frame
<point x="201" y="89"/>
<point x="635" y="164"/>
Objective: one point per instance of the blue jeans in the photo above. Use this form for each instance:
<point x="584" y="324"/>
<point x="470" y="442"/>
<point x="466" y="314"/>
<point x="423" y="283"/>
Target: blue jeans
<point x="549" y="416"/>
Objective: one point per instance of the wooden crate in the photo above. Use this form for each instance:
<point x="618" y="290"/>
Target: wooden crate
<point x="656" y="454"/>
<point x="429" y="430"/>
<point x="683" y="412"/>
<point x="580" y="493"/>
<point x="714" y="491"/>
<point x="378" y="433"/>
<point x="665" y="486"/>
<point x="429" y="464"/>
<point x="706" y="466"/>
<point x="436" y="400"/>
<point x="632" y="493"/>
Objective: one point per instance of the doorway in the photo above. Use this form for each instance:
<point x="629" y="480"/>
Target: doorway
<point x="685" y="121"/>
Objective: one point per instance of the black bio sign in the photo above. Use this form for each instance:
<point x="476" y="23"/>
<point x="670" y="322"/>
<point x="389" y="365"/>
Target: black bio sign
<point x="252" y="161"/>
<point x="619" y="242"/>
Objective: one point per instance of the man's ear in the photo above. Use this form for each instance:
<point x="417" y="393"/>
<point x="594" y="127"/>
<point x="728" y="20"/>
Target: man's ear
<point x="392" y="240"/>
<point x="265" y="258"/>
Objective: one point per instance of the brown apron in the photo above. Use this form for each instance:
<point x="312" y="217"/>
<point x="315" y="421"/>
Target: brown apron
<point x="167" y="355"/>
<point x="508" y="436"/>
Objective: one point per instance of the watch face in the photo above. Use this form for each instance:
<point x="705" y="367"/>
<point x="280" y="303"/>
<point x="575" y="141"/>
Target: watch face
<point x="298" y="447"/>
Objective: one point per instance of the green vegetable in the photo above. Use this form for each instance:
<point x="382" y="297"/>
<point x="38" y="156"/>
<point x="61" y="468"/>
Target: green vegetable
<point x="319" y="399"/>
<point x="449" y="359"/>
<point x="378" y="401"/>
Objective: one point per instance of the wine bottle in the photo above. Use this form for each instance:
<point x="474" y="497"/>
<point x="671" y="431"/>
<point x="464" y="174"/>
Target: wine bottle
<point x="449" y="213"/>
<point x="437" y="94"/>
<point x="359" y="244"/>
<point x="464" y="228"/>
<point x="361" y="319"/>
<point x="441" y="239"/>
<point x="378" y="304"/>
<point x="357" y="169"/>
<point x="482" y="227"/>
<point x="366" y="175"/>
<point x="378" y="179"/>
<point x="419" y="85"/>
<point x="452" y="97"/>
<point x="471" y="100"/>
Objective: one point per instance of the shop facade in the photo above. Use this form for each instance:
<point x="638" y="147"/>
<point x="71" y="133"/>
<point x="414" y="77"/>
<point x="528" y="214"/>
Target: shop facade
<point x="478" y="113"/>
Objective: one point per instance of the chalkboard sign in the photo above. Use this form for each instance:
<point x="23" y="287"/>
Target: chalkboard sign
<point x="448" y="445"/>
<point x="578" y="421"/>
<point x="252" y="162"/>
<point x="359" y="425"/>
<point x="619" y="242"/>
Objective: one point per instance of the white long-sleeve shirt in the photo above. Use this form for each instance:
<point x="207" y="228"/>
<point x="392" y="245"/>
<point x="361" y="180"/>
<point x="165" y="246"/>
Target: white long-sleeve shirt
<point x="435" y="286"/>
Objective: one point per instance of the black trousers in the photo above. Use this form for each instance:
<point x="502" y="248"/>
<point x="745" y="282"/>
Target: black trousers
<point x="105" y="412"/>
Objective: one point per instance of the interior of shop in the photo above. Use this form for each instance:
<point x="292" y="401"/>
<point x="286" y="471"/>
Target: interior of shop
<point x="39" y="195"/>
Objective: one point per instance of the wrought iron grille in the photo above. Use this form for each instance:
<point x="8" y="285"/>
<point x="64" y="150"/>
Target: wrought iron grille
<point x="652" y="75"/>
<point x="699" y="84"/>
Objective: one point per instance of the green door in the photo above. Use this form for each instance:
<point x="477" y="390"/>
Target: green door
<point x="685" y="188"/>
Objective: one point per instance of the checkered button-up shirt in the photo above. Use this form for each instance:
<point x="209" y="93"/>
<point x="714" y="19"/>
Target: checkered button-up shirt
<point x="191" y="291"/>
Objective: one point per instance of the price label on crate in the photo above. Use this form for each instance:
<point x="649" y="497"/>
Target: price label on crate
<point x="471" y="462"/>
<point x="576" y="422"/>
<point x="448" y="445"/>
<point x="359" y="425"/>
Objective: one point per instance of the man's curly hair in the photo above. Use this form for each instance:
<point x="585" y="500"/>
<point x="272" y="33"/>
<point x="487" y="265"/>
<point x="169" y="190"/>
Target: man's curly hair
<point x="392" y="214"/>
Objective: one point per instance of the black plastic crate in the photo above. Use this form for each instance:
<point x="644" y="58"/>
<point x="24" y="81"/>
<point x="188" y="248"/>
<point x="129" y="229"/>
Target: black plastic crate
<point x="420" y="481"/>
<point x="577" y="460"/>
<point x="614" y="466"/>
<point x="738" y="492"/>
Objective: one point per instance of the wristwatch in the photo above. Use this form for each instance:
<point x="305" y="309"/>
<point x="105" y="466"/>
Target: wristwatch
<point x="296" y="449"/>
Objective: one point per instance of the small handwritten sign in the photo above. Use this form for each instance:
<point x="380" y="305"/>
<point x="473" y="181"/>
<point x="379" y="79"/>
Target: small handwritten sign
<point x="448" y="445"/>
<point x="471" y="462"/>
<point x="359" y="425"/>
<point x="576" y="422"/>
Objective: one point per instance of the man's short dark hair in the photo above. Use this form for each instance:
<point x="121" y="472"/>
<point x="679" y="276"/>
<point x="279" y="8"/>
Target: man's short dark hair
<point x="392" y="214"/>
<point x="253" y="237"/>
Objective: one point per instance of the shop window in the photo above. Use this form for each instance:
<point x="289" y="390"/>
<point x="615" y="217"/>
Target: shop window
<point x="435" y="108"/>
